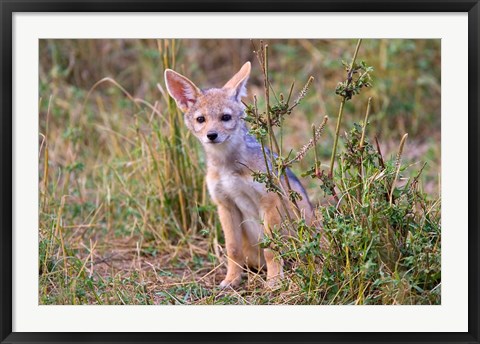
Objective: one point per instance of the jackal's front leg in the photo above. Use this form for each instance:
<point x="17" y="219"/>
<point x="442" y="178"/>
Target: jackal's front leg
<point x="230" y="218"/>
<point x="273" y="260"/>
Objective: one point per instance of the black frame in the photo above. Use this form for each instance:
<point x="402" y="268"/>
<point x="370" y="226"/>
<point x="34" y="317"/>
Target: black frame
<point x="8" y="7"/>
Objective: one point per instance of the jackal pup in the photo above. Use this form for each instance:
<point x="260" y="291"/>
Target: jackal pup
<point x="216" y="117"/>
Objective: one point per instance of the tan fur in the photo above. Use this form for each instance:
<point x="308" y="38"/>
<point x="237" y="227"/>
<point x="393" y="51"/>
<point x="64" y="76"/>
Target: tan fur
<point x="242" y="203"/>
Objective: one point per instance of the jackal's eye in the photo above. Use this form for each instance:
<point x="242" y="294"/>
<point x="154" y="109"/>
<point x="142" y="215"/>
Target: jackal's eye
<point x="200" y="119"/>
<point x="226" y="117"/>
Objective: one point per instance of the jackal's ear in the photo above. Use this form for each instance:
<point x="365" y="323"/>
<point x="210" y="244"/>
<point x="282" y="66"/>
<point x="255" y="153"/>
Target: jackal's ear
<point x="238" y="82"/>
<point x="181" y="89"/>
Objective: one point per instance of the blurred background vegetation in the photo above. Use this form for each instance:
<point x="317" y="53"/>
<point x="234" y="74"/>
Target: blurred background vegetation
<point x="125" y="217"/>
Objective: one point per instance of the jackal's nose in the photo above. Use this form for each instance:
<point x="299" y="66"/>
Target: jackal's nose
<point x="212" y="136"/>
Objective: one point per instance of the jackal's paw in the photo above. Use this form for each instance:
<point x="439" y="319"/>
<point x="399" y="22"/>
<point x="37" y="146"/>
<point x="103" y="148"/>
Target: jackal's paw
<point x="230" y="283"/>
<point x="273" y="282"/>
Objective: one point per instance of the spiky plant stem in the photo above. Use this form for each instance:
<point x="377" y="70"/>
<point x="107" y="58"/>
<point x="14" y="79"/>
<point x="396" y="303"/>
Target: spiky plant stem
<point x="340" y="110"/>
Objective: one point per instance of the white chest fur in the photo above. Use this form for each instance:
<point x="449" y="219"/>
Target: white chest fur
<point x="231" y="188"/>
